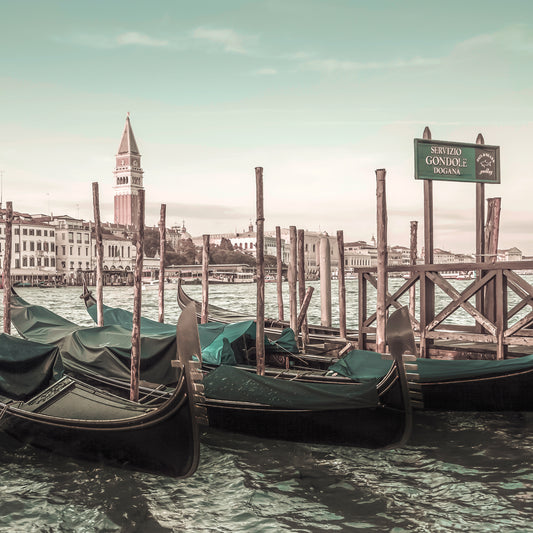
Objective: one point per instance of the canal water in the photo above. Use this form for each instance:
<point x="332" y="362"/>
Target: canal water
<point x="460" y="471"/>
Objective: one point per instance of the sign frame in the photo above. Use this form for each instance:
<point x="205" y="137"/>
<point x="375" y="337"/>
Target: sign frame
<point x="454" y="161"/>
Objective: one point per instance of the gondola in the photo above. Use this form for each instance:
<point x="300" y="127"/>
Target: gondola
<point x="453" y="385"/>
<point x="317" y="333"/>
<point x="306" y="406"/>
<point x="42" y="406"/>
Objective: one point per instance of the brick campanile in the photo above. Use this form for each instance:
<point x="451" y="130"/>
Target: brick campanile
<point x="128" y="178"/>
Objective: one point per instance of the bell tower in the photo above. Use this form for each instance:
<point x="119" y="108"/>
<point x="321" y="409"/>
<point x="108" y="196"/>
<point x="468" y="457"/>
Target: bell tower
<point x="128" y="178"/>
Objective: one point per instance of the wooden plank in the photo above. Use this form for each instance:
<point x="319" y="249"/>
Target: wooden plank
<point x="459" y="299"/>
<point x="517" y="326"/>
<point x="461" y="337"/>
<point x="304" y="307"/>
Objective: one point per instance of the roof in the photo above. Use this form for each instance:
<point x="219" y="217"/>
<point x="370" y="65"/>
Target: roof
<point x="128" y="144"/>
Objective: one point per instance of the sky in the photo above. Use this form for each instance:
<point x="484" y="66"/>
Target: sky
<point x="318" y="93"/>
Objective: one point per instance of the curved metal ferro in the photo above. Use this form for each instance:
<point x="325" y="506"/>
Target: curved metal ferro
<point x="400" y="338"/>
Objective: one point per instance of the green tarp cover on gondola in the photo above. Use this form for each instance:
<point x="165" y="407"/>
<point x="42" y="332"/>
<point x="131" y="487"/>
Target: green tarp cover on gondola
<point x="27" y="367"/>
<point x="102" y="350"/>
<point x="215" y="338"/>
<point x="107" y="349"/>
<point x="234" y="384"/>
<point x="361" y="365"/>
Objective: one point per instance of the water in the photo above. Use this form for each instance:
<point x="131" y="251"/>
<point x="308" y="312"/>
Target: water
<point x="460" y="471"/>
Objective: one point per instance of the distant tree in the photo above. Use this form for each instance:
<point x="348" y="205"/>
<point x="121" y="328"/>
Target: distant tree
<point x="188" y="250"/>
<point x="270" y="261"/>
<point x="225" y="244"/>
<point x="151" y="242"/>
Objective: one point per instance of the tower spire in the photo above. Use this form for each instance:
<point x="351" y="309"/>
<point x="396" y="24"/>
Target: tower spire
<point x="128" y="177"/>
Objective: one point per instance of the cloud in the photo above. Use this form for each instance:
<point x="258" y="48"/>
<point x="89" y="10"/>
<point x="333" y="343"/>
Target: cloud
<point x="265" y="72"/>
<point x="134" y="38"/>
<point x="515" y="38"/>
<point x="337" y="65"/>
<point x="123" y="39"/>
<point x="230" y="40"/>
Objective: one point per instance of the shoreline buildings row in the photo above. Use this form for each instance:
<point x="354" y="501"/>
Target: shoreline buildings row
<point x="61" y="249"/>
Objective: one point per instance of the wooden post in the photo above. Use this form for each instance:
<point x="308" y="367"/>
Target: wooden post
<point x="412" y="261"/>
<point x="6" y="275"/>
<point x="381" y="307"/>
<point x="325" y="281"/>
<point x="342" y="285"/>
<point x="260" y="256"/>
<point x="99" y="257"/>
<point x="301" y="285"/>
<point x="492" y="231"/>
<point x="304" y="306"/>
<point x="427" y="287"/>
<point x="279" y="273"/>
<point x="205" y="280"/>
<point x="137" y="304"/>
<point x="480" y="237"/>
<point x="491" y="252"/>
<point x="293" y="306"/>
<point x="501" y="314"/>
<point x="362" y="301"/>
<point x="162" y="250"/>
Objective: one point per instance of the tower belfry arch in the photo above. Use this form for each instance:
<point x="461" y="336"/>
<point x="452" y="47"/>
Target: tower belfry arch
<point x="128" y="178"/>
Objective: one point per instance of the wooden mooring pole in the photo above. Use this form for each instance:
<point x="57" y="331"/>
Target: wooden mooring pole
<point x="99" y="257"/>
<point x="427" y="287"/>
<point x="162" y="251"/>
<point x="260" y="257"/>
<point x="292" y="275"/>
<point x="381" y="308"/>
<point x="301" y="285"/>
<point x="342" y="285"/>
<point x="412" y="261"/>
<point x="205" y="280"/>
<point x="480" y="236"/>
<point x="279" y="273"/>
<point x="325" y="281"/>
<point x="137" y="304"/>
<point x="492" y="231"/>
<point x="6" y="274"/>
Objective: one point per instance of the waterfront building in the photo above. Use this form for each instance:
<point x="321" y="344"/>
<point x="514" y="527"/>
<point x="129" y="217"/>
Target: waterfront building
<point x="359" y="254"/>
<point x="76" y="252"/>
<point x="33" y="252"/>
<point x="128" y="179"/>
<point x="511" y="254"/>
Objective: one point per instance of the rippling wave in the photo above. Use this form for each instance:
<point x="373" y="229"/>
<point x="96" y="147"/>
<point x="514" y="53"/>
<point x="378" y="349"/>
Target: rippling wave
<point x="460" y="472"/>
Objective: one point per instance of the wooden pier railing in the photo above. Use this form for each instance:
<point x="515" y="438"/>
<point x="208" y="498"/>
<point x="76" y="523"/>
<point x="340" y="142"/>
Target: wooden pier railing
<point x="496" y="326"/>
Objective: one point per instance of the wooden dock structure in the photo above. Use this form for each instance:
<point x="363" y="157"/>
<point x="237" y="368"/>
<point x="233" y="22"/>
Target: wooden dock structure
<point x="497" y="331"/>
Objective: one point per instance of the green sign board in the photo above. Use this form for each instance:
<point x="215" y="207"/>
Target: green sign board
<point x="448" y="161"/>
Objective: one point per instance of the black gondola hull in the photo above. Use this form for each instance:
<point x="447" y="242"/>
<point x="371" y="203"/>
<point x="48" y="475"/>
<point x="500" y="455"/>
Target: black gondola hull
<point x="366" y="428"/>
<point x="510" y="392"/>
<point x="165" y="447"/>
